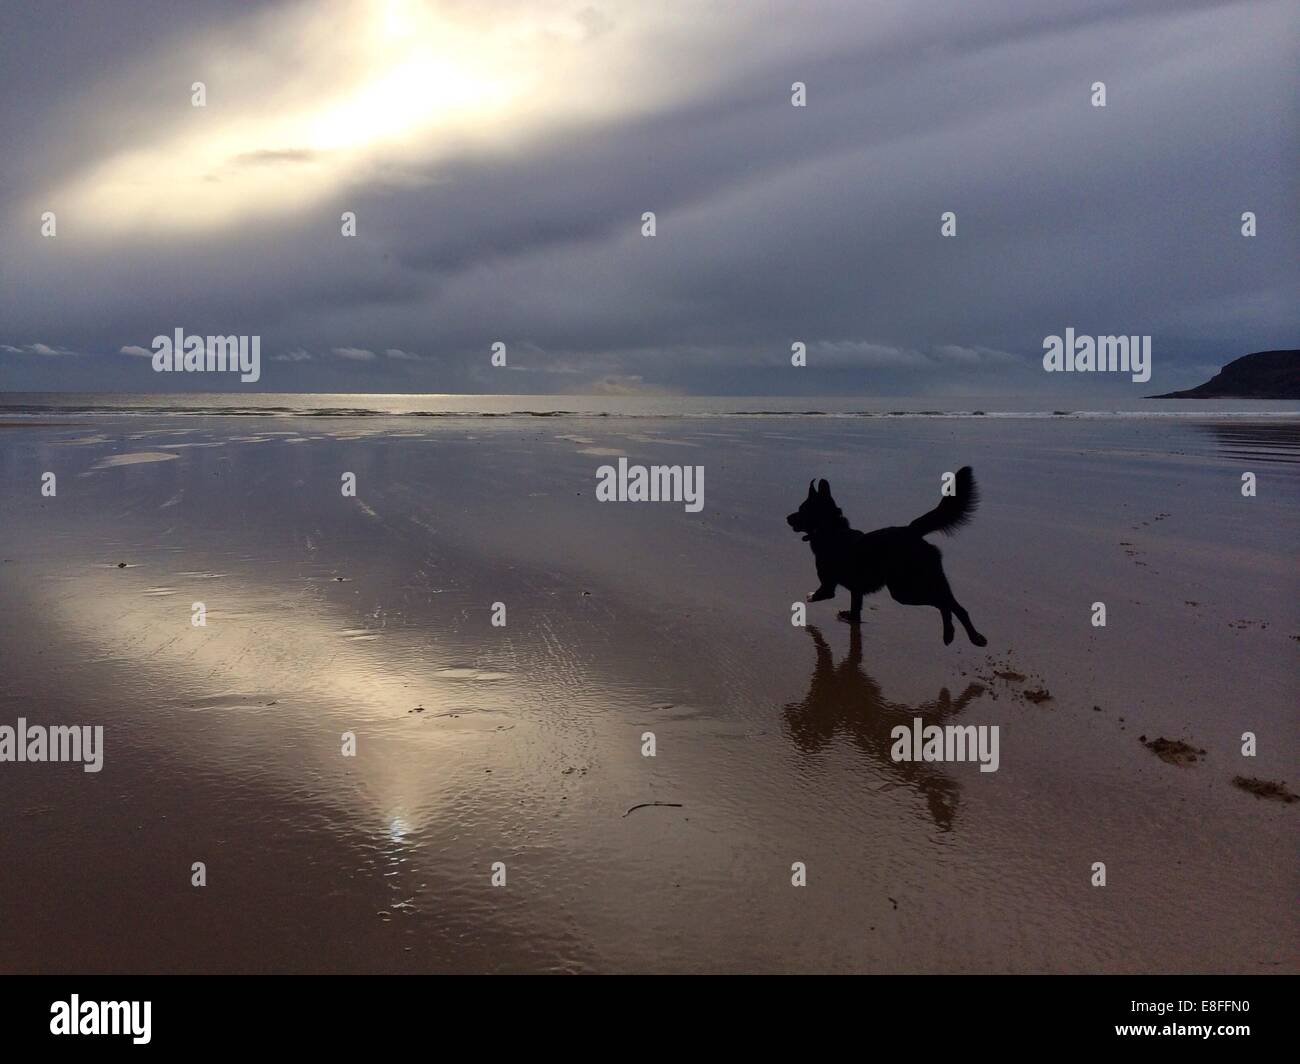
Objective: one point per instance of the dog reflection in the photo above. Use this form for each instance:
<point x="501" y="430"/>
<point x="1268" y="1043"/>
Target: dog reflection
<point x="844" y="699"/>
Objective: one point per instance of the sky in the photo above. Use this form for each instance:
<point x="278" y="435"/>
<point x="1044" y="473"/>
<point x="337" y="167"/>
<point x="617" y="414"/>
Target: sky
<point x="499" y="158"/>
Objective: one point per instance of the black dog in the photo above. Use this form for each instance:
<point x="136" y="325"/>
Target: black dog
<point x="897" y="558"/>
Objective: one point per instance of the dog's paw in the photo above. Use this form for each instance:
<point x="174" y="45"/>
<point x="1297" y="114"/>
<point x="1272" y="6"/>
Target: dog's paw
<point x="818" y="596"/>
<point x="849" y="618"/>
<point x="978" y="640"/>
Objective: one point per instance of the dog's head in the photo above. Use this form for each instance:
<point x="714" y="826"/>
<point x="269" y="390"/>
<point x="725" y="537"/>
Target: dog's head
<point x="817" y="512"/>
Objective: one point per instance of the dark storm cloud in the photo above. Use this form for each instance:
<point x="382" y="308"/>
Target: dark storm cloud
<point x="775" y="224"/>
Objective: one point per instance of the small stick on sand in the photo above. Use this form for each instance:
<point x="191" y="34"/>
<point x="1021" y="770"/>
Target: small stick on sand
<point x="646" y="805"/>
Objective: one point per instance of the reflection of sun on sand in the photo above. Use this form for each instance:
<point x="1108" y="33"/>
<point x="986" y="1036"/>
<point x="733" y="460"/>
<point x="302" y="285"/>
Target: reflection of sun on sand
<point x="138" y="458"/>
<point x="265" y="648"/>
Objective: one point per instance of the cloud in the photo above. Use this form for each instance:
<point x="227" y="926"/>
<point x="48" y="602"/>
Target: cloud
<point x="276" y="155"/>
<point x="406" y="356"/>
<point x="47" y="350"/>
<point x="975" y="355"/>
<point x="625" y="385"/>
<point x="355" y="354"/>
<point x="296" y="355"/>
<point x="864" y="353"/>
<point x="135" y="349"/>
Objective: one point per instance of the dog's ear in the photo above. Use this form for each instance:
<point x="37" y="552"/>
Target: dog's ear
<point x="812" y="491"/>
<point x="823" y="488"/>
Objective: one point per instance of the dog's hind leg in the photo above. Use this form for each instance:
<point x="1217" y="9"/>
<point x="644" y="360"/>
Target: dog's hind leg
<point x="945" y="611"/>
<point x="964" y="618"/>
<point x="926" y="588"/>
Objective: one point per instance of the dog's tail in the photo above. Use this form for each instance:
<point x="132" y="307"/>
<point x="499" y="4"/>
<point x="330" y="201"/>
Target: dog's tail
<point x="953" y="511"/>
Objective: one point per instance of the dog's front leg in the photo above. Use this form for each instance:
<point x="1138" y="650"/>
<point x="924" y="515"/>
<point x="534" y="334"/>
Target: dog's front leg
<point x="854" y="613"/>
<point x="826" y="591"/>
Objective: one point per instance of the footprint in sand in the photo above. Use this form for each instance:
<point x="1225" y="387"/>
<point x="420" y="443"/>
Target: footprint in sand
<point x="1276" y="792"/>
<point x="1173" y="751"/>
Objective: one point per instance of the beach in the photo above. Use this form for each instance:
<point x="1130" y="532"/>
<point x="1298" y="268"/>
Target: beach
<point x="486" y="750"/>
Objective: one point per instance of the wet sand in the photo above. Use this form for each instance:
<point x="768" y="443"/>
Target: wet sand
<point x="522" y="744"/>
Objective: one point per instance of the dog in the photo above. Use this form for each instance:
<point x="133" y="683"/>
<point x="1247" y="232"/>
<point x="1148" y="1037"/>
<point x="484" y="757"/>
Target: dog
<point x="897" y="558"/>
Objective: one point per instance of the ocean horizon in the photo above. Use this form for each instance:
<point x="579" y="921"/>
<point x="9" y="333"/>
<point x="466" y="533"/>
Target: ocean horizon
<point x="468" y="405"/>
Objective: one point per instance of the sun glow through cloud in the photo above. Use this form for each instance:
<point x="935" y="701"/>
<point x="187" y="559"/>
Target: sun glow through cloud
<point x="314" y="97"/>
